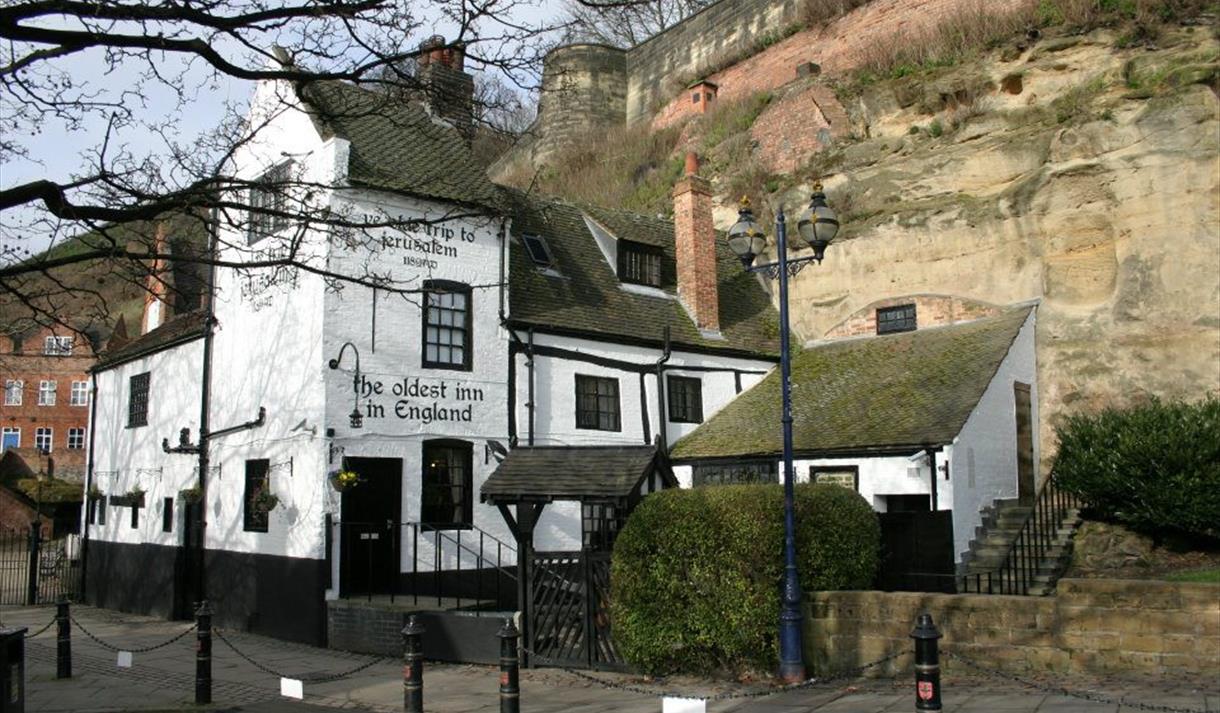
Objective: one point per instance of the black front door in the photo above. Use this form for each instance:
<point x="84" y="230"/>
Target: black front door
<point x="370" y="514"/>
<point x="186" y="598"/>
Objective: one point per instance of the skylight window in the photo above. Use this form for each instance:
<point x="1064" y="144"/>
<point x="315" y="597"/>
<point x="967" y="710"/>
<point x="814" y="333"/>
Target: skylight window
<point x="537" y="248"/>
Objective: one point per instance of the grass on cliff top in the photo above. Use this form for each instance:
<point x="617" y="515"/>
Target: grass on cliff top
<point x="1211" y="576"/>
<point x="635" y="168"/>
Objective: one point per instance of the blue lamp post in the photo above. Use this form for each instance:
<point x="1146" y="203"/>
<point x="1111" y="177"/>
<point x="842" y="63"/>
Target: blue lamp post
<point x="818" y="226"/>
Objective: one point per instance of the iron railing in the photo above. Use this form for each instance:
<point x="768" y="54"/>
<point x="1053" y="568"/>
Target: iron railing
<point x="1030" y="548"/>
<point x="468" y="569"/>
<point x="34" y="570"/>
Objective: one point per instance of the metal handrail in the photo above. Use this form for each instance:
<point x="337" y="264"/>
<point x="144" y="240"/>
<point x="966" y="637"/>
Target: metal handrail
<point x="1035" y="538"/>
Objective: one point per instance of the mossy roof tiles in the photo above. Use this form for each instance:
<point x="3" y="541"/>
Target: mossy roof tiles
<point x="906" y="389"/>
<point x="396" y="146"/>
<point x="583" y="293"/>
<point x="569" y="472"/>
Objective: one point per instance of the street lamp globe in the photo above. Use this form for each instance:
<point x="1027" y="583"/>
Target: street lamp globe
<point x="818" y="224"/>
<point x="746" y="239"/>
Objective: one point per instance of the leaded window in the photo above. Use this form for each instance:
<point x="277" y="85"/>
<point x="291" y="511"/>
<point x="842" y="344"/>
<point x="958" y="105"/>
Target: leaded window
<point x="685" y="399"/>
<point x="447" y="492"/>
<point x="597" y="404"/>
<point x="735" y="473"/>
<point x="13" y="391"/>
<point x="46" y="392"/>
<point x="446" y="325"/>
<point x="639" y="264"/>
<point x="896" y="319"/>
<point x="80" y="393"/>
<point x="269" y="205"/>
<point x="137" y="400"/>
<point x="258" y="481"/>
<point x="600" y="524"/>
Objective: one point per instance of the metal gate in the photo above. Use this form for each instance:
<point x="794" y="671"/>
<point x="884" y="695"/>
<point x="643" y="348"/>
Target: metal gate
<point x="569" y="610"/>
<point x="38" y="571"/>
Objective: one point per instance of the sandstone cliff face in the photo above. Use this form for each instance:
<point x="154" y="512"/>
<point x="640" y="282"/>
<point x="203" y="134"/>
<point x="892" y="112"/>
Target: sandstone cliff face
<point x="1072" y="173"/>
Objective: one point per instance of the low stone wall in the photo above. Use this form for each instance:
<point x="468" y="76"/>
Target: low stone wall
<point x="1090" y="627"/>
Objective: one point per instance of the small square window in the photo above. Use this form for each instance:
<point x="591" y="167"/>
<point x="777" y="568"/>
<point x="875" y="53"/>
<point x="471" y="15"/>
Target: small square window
<point x="694" y="98"/>
<point x="900" y="318"/>
<point x="13" y="390"/>
<point x="80" y="393"/>
<point x="639" y="264"/>
<point x="11" y="437"/>
<point x="597" y="403"/>
<point x="537" y="249"/>
<point x="76" y="439"/>
<point x="57" y="346"/>
<point x="42" y="439"/>
<point x="46" y="392"/>
<point x="685" y="399"/>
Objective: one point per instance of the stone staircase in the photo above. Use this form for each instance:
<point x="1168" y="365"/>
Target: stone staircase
<point x="1003" y="560"/>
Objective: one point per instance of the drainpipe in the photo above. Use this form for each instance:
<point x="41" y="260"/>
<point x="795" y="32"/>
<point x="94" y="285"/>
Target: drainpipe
<point x="530" y="404"/>
<point x="662" y="417"/>
<point x="84" y="544"/>
<point x="932" y="460"/>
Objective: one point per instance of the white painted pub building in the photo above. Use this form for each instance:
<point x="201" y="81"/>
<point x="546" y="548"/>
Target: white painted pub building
<point x="496" y="366"/>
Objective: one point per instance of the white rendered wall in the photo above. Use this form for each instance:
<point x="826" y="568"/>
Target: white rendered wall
<point x="125" y="458"/>
<point x="450" y="244"/>
<point x="983" y="460"/>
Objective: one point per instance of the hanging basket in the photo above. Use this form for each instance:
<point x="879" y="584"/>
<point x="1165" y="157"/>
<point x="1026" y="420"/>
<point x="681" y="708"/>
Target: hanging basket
<point x="342" y="480"/>
<point x="265" y="502"/>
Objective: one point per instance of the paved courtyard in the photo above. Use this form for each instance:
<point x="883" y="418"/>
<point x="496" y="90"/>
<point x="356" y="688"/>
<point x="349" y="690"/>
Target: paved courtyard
<point x="163" y="680"/>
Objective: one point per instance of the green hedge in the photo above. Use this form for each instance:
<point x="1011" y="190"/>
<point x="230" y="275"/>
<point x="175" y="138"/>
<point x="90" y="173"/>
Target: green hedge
<point x="1155" y="467"/>
<point x="696" y="573"/>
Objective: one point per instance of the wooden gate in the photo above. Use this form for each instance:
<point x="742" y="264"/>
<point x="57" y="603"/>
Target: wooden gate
<point x="569" y="610"/>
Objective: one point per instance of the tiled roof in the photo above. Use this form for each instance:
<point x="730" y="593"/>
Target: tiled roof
<point x="396" y="146"/>
<point x="583" y="294"/>
<point x="180" y="328"/>
<point x="904" y="389"/>
<point x="569" y="472"/>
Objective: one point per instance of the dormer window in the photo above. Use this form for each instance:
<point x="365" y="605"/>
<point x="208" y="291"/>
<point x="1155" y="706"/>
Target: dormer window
<point x="537" y="249"/>
<point x="639" y="264"/>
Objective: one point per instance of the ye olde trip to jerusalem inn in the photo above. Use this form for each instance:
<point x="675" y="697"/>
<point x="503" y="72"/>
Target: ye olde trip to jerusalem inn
<point x="556" y="364"/>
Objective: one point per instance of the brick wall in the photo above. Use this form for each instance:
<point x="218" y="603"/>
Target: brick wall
<point x="802" y="123"/>
<point x="1091" y="627"/>
<point x="24" y="360"/>
<point x="930" y="311"/>
<point x="366" y="629"/>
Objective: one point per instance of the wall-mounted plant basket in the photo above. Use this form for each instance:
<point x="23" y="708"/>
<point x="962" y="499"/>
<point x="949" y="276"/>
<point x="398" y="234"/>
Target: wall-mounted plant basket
<point x="264" y="502"/>
<point x="191" y="495"/>
<point x="342" y="480"/>
<point x="134" y="498"/>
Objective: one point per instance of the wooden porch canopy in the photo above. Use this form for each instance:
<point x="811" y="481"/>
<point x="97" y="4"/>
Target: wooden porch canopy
<point x="609" y="474"/>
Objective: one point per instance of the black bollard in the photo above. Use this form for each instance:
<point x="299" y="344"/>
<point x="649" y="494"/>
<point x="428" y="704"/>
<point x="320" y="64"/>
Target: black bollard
<point x="63" y="641"/>
<point x="203" y="653"/>
<point x="510" y="689"/>
<point x="927" y="664"/>
<point x="412" y="667"/>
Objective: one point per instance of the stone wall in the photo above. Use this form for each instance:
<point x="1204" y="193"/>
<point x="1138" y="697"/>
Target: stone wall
<point x="584" y="87"/>
<point x="1091" y="627"/>
<point x="729" y="29"/>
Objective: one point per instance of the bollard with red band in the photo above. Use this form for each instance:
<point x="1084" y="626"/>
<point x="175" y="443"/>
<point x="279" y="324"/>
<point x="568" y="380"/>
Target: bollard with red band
<point x="510" y="662"/>
<point x="412" y="667"/>
<point x="203" y="653"/>
<point x="63" y="640"/>
<point x="927" y="664"/>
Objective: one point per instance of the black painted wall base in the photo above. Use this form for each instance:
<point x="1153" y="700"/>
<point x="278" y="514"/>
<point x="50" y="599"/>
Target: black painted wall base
<point x="282" y="597"/>
<point x="376" y="628"/>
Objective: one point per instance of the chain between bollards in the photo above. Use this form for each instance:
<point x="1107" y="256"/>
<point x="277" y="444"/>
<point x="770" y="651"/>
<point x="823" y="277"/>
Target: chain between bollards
<point x="203" y="653"/>
<point x="412" y="666"/>
<point x="63" y="640"/>
<point x="927" y="664"/>
<point x="510" y="666"/>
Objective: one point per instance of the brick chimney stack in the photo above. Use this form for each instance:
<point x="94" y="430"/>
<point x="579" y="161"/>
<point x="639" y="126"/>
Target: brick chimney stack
<point x="447" y="90"/>
<point x="156" y="296"/>
<point x="695" y="247"/>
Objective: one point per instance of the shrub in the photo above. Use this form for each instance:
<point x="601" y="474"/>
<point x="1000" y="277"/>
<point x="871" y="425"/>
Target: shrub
<point x="696" y="573"/>
<point x="1154" y="468"/>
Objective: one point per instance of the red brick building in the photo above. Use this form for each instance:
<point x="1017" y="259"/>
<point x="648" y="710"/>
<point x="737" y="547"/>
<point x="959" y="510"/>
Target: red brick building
<point x="45" y="402"/>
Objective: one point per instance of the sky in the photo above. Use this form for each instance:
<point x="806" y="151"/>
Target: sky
<point x="57" y="149"/>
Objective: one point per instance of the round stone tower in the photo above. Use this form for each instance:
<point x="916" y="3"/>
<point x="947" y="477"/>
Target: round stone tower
<point x="584" y="87"/>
